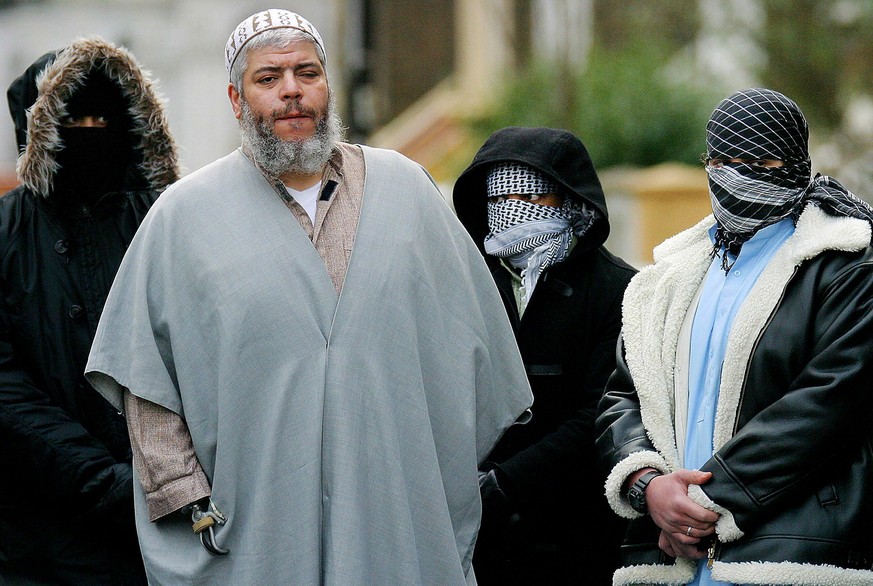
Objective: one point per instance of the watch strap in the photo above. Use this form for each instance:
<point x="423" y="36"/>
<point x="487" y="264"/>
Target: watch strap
<point x="636" y="494"/>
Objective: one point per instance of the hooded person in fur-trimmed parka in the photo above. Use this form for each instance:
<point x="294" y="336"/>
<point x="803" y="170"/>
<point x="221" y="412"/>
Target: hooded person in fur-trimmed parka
<point x="737" y="426"/>
<point x="532" y="202"/>
<point x="95" y="151"/>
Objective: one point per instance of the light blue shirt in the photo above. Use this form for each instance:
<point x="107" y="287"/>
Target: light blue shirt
<point x="720" y="300"/>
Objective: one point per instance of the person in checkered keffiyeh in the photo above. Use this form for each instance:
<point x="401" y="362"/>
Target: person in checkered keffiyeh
<point x="532" y="202"/>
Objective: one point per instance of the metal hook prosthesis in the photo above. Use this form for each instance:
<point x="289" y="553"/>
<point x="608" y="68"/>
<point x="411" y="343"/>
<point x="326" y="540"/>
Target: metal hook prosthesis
<point x="204" y="522"/>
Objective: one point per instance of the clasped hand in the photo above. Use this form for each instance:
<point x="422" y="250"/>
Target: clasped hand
<point x="684" y="524"/>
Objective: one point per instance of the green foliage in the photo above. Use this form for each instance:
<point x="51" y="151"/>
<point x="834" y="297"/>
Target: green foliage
<point x="817" y="56"/>
<point x="622" y="106"/>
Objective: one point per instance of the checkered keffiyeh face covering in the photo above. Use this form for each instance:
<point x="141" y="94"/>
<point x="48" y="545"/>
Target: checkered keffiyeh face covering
<point x="530" y="236"/>
<point x="763" y="124"/>
<point x="755" y="124"/>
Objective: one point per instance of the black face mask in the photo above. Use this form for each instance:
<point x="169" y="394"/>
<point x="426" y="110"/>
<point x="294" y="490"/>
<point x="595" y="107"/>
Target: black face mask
<point x="93" y="162"/>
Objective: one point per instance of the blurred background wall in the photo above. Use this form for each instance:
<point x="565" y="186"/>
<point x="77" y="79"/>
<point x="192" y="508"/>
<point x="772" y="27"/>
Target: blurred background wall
<point x="636" y="80"/>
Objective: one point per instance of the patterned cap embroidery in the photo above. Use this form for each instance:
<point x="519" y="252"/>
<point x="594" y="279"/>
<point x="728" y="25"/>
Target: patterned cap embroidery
<point x="263" y="21"/>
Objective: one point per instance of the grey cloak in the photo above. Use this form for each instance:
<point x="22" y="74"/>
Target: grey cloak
<point x="341" y="434"/>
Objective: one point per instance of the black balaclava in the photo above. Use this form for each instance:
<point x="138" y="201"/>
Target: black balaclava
<point x="756" y="124"/>
<point x="94" y="161"/>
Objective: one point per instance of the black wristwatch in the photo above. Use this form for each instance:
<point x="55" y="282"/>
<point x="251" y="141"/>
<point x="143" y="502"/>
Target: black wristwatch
<point x="636" y="494"/>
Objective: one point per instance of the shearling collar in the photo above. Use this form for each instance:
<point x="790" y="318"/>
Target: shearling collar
<point x="155" y="151"/>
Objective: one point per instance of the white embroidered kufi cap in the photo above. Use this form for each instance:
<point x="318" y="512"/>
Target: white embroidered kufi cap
<point x="264" y="21"/>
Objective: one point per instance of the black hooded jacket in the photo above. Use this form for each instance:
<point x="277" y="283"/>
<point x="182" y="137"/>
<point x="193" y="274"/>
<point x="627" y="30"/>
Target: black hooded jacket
<point x="66" y="494"/>
<point x="567" y="339"/>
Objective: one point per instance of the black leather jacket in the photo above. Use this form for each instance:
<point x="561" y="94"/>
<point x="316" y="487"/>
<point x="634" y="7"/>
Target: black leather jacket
<point x="793" y="470"/>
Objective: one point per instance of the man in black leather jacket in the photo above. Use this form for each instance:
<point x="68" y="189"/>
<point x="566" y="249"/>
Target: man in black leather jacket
<point x="532" y="201"/>
<point x="95" y="151"/>
<point x="737" y="424"/>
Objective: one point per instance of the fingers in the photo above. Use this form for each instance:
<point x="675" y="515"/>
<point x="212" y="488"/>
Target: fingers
<point x="688" y="535"/>
<point x="686" y="527"/>
<point x="693" y="476"/>
<point x="696" y="530"/>
<point x="697" y="513"/>
<point x="668" y="543"/>
<point x="671" y="507"/>
<point x="666" y="546"/>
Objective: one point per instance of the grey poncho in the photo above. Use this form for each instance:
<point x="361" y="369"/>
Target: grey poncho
<point x="341" y="434"/>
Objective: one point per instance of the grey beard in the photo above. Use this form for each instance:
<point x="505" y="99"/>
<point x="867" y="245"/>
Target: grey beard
<point x="276" y="156"/>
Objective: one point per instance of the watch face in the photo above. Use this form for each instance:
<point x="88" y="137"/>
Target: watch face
<point x="637" y="499"/>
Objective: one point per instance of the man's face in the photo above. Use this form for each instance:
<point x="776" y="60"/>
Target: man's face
<point x="286" y="89"/>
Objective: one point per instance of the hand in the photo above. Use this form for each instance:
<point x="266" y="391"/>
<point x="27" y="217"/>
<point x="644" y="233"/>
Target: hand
<point x="116" y="503"/>
<point x="500" y="527"/>
<point x="684" y="523"/>
<point x="496" y="506"/>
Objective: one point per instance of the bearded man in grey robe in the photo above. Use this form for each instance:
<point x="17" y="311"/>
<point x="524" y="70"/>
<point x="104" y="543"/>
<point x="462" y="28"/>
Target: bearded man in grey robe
<point x="308" y="348"/>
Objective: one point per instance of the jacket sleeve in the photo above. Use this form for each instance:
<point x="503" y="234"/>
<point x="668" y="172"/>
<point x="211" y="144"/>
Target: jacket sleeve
<point x="50" y="455"/>
<point x="541" y="469"/>
<point x="534" y="472"/>
<point x="164" y="457"/>
<point x="789" y="447"/>
<point x="622" y="443"/>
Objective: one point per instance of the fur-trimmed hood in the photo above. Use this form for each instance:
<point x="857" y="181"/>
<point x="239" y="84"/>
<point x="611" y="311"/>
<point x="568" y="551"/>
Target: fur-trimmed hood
<point x="38" y="101"/>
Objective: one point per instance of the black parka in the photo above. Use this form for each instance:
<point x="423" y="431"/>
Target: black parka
<point x="66" y="497"/>
<point x="565" y="532"/>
